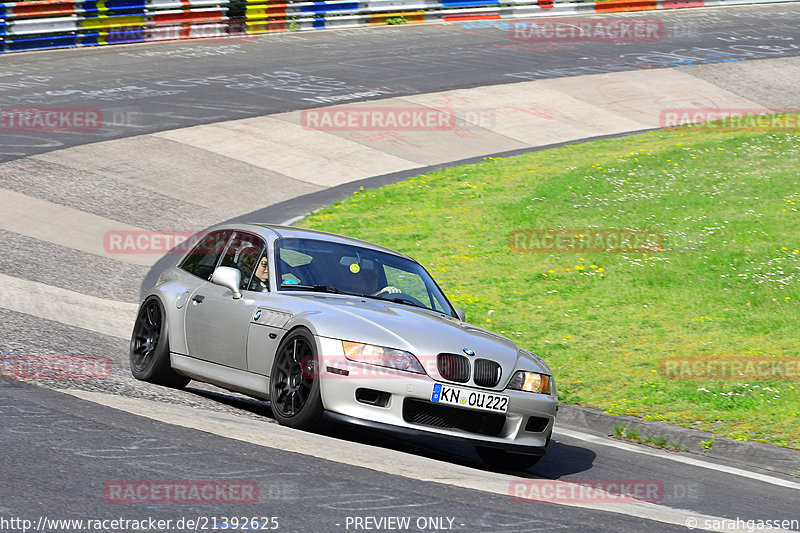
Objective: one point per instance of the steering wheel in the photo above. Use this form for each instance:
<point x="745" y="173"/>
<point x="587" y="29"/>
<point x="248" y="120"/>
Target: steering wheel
<point x="404" y="298"/>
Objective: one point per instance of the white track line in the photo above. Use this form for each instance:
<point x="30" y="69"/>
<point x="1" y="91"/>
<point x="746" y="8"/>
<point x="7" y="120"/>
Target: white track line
<point x="679" y="458"/>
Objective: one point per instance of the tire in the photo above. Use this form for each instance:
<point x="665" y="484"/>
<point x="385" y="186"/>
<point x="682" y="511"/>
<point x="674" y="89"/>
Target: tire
<point x="503" y="460"/>
<point x="149" y="355"/>
<point x="294" y="393"/>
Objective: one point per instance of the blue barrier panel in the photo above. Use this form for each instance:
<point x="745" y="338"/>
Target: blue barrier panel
<point x="127" y="35"/>
<point x="324" y="7"/>
<point x="90" y="39"/>
<point x="93" y="39"/>
<point x="130" y="7"/>
<point x="469" y="3"/>
<point x="42" y="43"/>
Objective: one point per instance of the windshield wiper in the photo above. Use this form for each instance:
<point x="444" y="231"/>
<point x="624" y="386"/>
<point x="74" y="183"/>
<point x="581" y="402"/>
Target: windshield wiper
<point x="403" y="300"/>
<point x="327" y="288"/>
<point x="316" y="288"/>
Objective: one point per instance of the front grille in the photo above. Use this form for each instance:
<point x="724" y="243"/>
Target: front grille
<point x="453" y="367"/>
<point x="446" y="417"/>
<point x="487" y="373"/>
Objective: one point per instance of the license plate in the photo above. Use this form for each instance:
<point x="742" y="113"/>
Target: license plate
<point x="471" y="399"/>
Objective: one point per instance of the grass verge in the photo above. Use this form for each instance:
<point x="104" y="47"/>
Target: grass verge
<point x="723" y="286"/>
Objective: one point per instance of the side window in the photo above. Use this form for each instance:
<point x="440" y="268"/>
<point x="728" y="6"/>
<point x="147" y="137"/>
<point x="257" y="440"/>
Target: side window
<point x="294" y="267"/>
<point x="243" y="253"/>
<point x="203" y="258"/>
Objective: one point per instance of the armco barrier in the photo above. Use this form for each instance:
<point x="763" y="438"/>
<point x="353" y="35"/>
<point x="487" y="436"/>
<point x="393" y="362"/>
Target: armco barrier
<point x="43" y="24"/>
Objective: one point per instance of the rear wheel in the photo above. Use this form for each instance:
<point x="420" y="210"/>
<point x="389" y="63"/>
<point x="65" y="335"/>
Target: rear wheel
<point x="294" y="384"/>
<point x="503" y="460"/>
<point x="149" y="354"/>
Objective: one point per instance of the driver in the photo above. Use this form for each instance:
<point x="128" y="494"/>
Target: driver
<point x="260" y="281"/>
<point x="389" y="289"/>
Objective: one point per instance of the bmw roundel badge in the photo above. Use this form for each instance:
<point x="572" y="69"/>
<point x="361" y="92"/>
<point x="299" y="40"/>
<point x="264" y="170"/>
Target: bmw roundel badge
<point x="257" y="315"/>
<point x="469" y="352"/>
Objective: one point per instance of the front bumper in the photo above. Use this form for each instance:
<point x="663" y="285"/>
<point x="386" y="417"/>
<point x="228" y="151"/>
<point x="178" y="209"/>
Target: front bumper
<point x="414" y="432"/>
<point x="524" y="428"/>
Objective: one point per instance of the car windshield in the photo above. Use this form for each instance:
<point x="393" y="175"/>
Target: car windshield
<point x="323" y="266"/>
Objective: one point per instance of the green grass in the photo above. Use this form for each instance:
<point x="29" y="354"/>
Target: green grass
<point x="622" y="432"/>
<point x="633" y="434"/>
<point x="725" y="284"/>
<point x="707" y="444"/>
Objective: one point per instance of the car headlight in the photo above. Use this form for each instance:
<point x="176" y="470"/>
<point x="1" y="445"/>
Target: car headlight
<point x="380" y="356"/>
<point x="530" y="382"/>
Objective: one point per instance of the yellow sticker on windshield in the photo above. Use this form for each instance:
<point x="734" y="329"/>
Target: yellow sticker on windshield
<point x="354" y="268"/>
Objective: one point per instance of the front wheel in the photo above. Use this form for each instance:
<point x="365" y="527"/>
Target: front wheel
<point x="503" y="460"/>
<point x="149" y="354"/>
<point x="294" y="384"/>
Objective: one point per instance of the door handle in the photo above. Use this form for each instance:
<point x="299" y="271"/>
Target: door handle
<point x="198" y="299"/>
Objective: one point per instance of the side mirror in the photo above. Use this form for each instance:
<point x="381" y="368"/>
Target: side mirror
<point x="460" y="314"/>
<point x="228" y="277"/>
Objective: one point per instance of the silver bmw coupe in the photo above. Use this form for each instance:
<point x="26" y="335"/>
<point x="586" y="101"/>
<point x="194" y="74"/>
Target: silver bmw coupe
<point x="334" y="329"/>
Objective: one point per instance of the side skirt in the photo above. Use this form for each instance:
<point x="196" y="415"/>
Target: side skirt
<point x="222" y="376"/>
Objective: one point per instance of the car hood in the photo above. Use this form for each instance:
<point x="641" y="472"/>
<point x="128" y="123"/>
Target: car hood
<point x="422" y="332"/>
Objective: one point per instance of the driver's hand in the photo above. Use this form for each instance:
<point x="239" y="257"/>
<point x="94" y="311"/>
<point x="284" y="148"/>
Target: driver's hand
<point x="389" y="289"/>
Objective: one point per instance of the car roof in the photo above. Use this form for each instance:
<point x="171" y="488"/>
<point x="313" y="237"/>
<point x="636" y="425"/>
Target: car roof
<point x="269" y="231"/>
